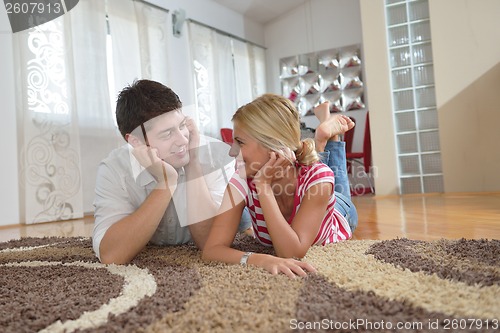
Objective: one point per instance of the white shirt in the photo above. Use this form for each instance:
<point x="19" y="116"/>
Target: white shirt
<point x="123" y="184"/>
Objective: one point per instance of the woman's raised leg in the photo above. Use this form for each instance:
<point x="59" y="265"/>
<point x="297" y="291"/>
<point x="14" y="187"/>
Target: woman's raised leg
<point x="332" y="153"/>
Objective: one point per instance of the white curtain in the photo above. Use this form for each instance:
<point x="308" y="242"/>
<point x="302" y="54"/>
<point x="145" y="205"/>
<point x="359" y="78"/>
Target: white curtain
<point x="48" y="134"/>
<point x="204" y="43"/>
<point x="228" y="73"/>
<point x="125" y="50"/>
<point x="257" y="70"/>
<point x="65" y="121"/>
<point x="226" y="96"/>
<point x="242" y="75"/>
<point x="89" y="27"/>
<point x="98" y="132"/>
<point x="153" y="41"/>
<point x="139" y="35"/>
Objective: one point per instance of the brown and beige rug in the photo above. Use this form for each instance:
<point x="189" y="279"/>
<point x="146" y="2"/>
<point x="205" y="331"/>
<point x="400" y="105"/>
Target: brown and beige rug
<point x="400" y="285"/>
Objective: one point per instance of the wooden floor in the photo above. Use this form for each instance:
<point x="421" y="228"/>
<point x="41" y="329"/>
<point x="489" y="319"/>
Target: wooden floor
<point x="424" y="217"/>
<point x="428" y="217"/>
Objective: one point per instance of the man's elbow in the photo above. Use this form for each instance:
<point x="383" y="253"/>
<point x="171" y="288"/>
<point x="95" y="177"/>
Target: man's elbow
<point x="109" y="258"/>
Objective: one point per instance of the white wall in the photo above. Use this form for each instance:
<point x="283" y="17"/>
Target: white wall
<point x="205" y="11"/>
<point x="466" y="53"/>
<point x="379" y="95"/>
<point x="315" y="26"/>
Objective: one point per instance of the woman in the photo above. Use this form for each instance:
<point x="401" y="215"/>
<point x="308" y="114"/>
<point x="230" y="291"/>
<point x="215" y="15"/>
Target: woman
<point x="289" y="193"/>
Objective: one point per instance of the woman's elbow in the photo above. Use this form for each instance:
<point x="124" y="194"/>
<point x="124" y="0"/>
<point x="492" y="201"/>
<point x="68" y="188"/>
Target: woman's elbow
<point x="296" y="254"/>
<point x="212" y="252"/>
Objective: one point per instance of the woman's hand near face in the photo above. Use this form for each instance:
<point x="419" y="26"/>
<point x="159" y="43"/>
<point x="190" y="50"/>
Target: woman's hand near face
<point x="275" y="167"/>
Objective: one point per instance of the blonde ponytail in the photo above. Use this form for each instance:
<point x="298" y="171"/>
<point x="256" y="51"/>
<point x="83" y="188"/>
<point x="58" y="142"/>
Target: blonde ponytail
<point x="306" y="154"/>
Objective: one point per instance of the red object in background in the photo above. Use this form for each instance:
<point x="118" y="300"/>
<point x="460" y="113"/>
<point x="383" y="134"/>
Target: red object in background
<point x="363" y="157"/>
<point x="293" y="95"/>
<point x="348" y="139"/>
<point x="227" y="135"/>
<point x="366" y="154"/>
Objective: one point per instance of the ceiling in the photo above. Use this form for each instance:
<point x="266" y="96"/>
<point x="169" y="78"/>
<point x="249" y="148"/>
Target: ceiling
<point x="261" y="11"/>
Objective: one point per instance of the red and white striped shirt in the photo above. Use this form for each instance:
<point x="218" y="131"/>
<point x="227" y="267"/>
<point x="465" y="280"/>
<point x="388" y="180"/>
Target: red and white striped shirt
<point x="334" y="227"/>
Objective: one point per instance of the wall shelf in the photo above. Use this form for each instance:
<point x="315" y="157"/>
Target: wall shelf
<point x="331" y="75"/>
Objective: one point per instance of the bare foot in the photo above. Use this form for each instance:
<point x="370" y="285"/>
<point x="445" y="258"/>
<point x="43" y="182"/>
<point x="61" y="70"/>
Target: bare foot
<point x="331" y="128"/>
<point x="322" y="111"/>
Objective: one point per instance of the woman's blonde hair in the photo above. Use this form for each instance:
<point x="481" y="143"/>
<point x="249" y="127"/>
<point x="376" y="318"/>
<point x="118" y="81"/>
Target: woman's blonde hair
<point x="274" y="121"/>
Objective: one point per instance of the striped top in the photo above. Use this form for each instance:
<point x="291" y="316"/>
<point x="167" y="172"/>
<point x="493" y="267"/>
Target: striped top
<point x="334" y="227"/>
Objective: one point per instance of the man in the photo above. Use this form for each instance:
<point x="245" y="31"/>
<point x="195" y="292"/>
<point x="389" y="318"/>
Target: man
<point x="165" y="185"/>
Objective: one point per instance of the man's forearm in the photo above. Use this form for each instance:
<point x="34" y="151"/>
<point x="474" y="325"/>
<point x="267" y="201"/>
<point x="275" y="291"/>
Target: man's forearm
<point x="126" y="238"/>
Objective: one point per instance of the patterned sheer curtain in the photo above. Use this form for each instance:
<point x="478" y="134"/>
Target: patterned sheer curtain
<point x="65" y="120"/>
<point x="48" y="133"/>
<point x="154" y="35"/>
<point x="228" y="73"/>
<point x="204" y="42"/>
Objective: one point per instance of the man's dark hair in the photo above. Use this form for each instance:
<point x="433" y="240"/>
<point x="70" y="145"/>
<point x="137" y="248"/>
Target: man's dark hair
<point x="141" y="101"/>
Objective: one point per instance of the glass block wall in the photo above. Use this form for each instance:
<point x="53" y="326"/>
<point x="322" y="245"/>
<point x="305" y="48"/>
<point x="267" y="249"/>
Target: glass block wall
<point x="414" y="103"/>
